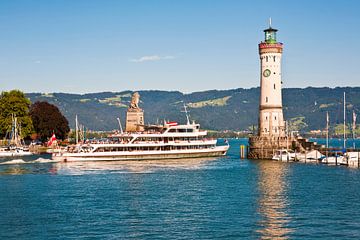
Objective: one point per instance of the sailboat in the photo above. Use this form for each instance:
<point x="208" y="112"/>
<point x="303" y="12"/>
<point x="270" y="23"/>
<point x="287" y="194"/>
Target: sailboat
<point x="16" y="146"/>
<point x="337" y="159"/>
<point x="353" y="156"/>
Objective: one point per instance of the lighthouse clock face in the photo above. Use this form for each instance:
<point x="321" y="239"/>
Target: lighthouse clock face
<point x="266" y="73"/>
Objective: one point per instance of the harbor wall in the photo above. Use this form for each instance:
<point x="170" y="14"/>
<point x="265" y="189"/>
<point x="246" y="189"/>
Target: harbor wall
<point x="264" y="147"/>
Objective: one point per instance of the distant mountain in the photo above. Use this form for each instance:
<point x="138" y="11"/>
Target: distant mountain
<point x="235" y="109"/>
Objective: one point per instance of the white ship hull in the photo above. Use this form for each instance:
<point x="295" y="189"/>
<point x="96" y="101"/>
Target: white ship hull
<point x="140" y="155"/>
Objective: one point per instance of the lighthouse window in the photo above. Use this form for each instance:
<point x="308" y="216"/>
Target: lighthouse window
<point x="267" y="58"/>
<point x="274" y="58"/>
<point x="267" y="99"/>
<point x="275" y="117"/>
<point x="274" y="86"/>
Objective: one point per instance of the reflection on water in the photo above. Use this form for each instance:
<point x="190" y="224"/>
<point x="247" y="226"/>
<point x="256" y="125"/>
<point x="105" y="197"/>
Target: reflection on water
<point x="272" y="203"/>
<point x="149" y="166"/>
<point x="48" y="166"/>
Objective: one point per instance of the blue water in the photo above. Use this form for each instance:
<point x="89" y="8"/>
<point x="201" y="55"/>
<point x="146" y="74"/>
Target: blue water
<point x="223" y="198"/>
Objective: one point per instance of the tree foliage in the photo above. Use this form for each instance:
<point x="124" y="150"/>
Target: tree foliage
<point x="47" y="119"/>
<point x="15" y="102"/>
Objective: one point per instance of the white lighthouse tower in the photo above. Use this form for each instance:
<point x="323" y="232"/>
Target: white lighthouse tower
<point x="271" y="119"/>
<point x="271" y="132"/>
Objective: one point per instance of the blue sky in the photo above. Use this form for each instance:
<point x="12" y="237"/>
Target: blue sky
<point x="92" y="46"/>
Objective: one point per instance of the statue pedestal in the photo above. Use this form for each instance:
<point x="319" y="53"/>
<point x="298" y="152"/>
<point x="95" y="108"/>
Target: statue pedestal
<point x="134" y="120"/>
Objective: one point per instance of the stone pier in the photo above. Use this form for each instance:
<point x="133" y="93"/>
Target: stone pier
<point x="264" y="147"/>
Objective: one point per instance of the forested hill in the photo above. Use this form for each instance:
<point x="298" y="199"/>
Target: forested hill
<point x="235" y="109"/>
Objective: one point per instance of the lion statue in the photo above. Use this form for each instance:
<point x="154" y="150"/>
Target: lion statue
<point x="135" y="100"/>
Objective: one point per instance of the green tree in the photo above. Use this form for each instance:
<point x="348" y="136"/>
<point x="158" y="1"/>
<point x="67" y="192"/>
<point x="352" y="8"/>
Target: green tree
<point x="15" y="102"/>
<point x="47" y="119"/>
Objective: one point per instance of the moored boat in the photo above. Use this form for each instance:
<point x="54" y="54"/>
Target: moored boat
<point x="335" y="160"/>
<point x="309" y="156"/>
<point x="284" y="155"/>
<point x="353" y="159"/>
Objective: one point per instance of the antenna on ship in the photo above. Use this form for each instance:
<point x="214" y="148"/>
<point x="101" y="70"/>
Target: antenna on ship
<point x="121" y="129"/>
<point x="187" y="115"/>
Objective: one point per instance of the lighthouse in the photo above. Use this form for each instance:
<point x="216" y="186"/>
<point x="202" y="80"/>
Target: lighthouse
<point x="272" y="135"/>
<point x="271" y="119"/>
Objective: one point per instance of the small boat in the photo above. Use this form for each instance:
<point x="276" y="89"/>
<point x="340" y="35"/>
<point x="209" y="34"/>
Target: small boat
<point x="310" y="156"/>
<point x="13" y="151"/>
<point x="16" y="146"/>
<point x="284" y="155"/>
<point x="353" y="158"/>
<point x="335" y="160"/>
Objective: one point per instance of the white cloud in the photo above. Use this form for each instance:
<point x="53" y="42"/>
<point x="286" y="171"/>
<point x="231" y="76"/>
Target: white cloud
<point x="151" y="58"/>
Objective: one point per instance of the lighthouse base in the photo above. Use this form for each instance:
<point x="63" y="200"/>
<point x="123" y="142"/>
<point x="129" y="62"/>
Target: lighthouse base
<point x="264" y="147"/>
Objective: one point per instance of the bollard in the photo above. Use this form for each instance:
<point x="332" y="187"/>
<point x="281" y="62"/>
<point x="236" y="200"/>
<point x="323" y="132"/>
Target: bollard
<point x="242" y="151"/>
<point x="336" y="159"/>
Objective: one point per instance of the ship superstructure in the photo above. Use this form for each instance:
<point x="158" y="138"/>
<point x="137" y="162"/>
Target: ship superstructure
<point x="167" y="141"/>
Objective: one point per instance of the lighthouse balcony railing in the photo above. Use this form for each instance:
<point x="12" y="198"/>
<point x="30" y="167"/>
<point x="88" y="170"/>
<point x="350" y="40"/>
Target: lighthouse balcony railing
<point x="270" y="45"/>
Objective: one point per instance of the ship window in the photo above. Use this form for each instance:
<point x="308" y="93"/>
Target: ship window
<point x="172" y="130"/>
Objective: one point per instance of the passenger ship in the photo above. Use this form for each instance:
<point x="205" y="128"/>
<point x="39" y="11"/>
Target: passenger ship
<point x="167" y="141"/>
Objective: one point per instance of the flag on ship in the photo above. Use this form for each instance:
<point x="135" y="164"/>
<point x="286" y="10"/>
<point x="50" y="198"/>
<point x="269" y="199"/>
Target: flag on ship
<point x="172" y="123"/>
<point x="52" y="140"/>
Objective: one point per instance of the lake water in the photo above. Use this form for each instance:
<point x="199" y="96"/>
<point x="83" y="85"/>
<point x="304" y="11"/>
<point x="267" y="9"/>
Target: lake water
<point x="222" y="198"/>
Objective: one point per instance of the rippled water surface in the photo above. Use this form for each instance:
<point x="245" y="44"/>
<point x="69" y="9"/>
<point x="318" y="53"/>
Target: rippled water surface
<point x="222" y="198"/>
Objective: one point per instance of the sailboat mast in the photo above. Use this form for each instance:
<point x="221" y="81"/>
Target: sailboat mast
<point x="76" y="130"/>
<point x="344" y="121"/>
<point x="354" y="128"/>
<point x="327" y="130"/>
<point x="287" y="134"/>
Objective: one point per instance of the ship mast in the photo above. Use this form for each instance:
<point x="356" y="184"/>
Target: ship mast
<point x="344" y="121"/>
<point x="187" y="114"/>
<point x="121" y="129"/>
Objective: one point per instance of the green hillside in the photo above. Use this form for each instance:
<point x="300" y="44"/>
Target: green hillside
<point x="235" y="109"/>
